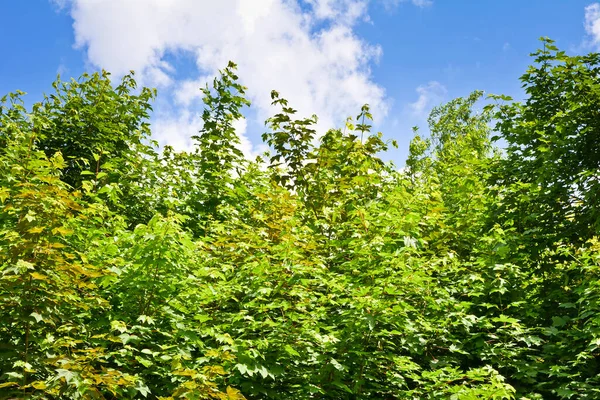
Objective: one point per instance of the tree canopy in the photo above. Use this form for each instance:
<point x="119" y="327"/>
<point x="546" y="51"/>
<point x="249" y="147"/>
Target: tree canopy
<point x="317" y="271"/>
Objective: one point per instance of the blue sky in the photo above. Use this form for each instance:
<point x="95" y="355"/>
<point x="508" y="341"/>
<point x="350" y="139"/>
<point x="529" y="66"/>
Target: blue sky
<point x="326" y="56"/>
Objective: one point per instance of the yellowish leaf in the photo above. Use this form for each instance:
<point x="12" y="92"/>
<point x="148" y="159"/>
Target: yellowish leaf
<point x="38" y="276"/>
<point x="217" y="369"/>
<point x="62" y="230"/>
<point x="185" y="372"/>
<point x="40" y="385"/>
<point x="3" y="195"/>
<point x="212" y="353"/>
<point x="234" y="394"/>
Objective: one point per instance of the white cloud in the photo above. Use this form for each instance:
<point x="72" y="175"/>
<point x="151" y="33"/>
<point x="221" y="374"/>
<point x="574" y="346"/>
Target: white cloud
<point x="349" y="11"/>
<point x="422" y="3"/>
<point x="189" y="90"/>
<point x="62" y="68"/>
<point x="419" y="3"/>
<point x="249" y="150"/>
<point x="59" y="4"/>
<point x="592" y="23"/>
<point x="430" y="95"/>
<point x="307" y="50"/>
<point x="177" y="130"/>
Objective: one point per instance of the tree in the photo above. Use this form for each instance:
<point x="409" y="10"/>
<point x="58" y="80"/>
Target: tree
<point x="551" y="164"/>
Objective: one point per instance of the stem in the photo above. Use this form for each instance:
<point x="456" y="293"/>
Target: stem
<point x="144" y="305"/>
<point x="27" y="333"/>
<point x="98" y="164"/>
<point x="362" y="132"/>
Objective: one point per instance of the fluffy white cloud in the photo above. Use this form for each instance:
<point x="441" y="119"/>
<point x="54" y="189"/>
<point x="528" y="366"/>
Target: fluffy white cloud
<point x="347" y="10"/>
<point x="430" y="95"/>
<point x="189" y="90"/>
<point x="592" y="23"/>
<point x="249" y="150"/>
<point x="177" y="129"/>
<point x="305" y="49"/>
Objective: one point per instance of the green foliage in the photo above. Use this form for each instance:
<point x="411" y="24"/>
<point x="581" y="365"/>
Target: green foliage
<point x="217" y="151"/>
<point x="91" y="123"/>
<point x="292" y="141"/>
<point x="324" y="273"/>
<point x="551" y="167"/>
